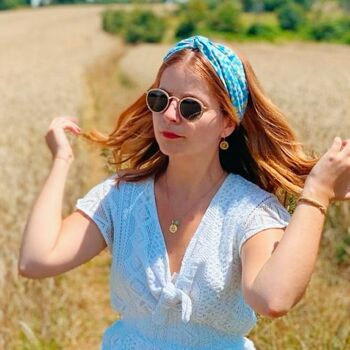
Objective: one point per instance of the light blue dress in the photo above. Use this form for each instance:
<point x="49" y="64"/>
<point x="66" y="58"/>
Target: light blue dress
<point x="201" y="307"/>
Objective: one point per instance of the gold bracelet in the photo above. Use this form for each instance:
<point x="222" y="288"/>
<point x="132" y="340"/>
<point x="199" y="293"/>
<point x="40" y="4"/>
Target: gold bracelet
<point x="66" y="159"/>
<point x="313" y="202"/>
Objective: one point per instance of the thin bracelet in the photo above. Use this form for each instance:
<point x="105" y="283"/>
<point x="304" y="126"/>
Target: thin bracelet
<point x="66" y="159"/>
<point x="313" y="202"/>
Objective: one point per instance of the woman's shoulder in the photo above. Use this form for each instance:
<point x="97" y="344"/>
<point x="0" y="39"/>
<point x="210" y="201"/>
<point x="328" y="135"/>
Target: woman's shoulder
<point x="248" y="193"/>
<point x="123" y="191"/>
<point x="240" y="183"/>
<point x="112" y="180"/>
<point x="252" y="205"/>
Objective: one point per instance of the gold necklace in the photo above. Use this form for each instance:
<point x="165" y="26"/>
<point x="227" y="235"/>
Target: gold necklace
<point x="175" y="223"/>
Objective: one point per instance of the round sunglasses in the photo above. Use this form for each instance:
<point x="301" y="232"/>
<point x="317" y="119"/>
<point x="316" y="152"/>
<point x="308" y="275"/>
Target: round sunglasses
<point x="158" y="100"/>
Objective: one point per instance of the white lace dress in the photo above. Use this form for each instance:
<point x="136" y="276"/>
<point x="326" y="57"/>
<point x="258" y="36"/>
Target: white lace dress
<point x="201" y="307"/>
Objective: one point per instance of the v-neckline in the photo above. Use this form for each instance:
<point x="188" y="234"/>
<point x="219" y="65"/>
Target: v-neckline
<point x="190" y="245"/>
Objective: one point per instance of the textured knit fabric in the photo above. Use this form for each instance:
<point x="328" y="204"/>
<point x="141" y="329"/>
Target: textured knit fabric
<point x="201" y="307"/>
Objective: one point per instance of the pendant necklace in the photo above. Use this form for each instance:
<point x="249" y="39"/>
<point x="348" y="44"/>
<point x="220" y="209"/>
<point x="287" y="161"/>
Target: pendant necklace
<point x="175" y="223"/>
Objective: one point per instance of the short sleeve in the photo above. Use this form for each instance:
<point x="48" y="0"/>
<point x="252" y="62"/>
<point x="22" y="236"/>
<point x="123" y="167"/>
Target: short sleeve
<point x="97" y="205"/>
<point x="269" y="213"/>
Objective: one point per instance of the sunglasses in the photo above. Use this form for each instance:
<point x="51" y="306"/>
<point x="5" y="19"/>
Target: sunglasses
<point x="158" y="100"/>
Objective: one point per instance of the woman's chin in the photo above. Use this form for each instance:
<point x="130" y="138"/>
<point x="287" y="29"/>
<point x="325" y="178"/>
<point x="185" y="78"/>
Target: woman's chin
<point x="172" y="149"/>
<point x="170" y="146"/>
<point x="170" y="152"/>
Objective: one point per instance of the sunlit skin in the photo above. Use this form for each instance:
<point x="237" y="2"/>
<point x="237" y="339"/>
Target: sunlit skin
<point x="197" y="151"/>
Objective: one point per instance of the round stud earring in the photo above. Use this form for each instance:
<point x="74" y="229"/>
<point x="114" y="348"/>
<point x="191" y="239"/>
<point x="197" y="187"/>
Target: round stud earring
<point x="224" y="145"/>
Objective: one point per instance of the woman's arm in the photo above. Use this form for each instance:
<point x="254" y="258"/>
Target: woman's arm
<point x="45" y="220"/>
<point x="284" y="276"/>
<point x="274" y="280"/>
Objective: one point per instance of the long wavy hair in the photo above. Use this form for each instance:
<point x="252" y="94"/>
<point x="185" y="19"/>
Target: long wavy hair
<point x="263" y="147"/>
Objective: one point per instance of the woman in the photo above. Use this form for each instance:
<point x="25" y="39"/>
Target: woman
<point x="200" y="240"/>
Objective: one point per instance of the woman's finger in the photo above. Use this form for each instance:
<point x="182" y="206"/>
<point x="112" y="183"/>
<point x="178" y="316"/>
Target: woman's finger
<point x="63" y="119"/>
<point x="68" y="124"/>
<point x="337" y="144"/>
<point x="64" y="124"/>
<point x="346" y="147"/>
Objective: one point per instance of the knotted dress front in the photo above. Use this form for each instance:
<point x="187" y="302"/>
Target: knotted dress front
<point x="201" y="307"/>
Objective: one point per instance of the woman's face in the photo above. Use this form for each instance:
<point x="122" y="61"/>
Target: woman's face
<point x="197" y="137"/>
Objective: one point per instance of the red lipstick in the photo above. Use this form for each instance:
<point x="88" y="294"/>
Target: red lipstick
<point x="170" y="135"/>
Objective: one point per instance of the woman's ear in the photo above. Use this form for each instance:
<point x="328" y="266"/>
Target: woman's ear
<point x="230" y="126"/>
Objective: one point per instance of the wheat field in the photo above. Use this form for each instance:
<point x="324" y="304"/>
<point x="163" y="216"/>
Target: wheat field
<point x="44" y="56"/>
<point x="57" y="61"/>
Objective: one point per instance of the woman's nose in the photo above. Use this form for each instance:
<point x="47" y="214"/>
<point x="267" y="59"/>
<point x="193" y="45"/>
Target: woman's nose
<point x="172" y="112"/>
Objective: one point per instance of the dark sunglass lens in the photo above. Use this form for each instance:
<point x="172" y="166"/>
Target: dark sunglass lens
<point x="190" y="109"/>
<point x="157" y="100"/>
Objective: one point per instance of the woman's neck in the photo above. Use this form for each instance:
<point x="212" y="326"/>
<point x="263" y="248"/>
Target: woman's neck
<point x="189" y="180"/>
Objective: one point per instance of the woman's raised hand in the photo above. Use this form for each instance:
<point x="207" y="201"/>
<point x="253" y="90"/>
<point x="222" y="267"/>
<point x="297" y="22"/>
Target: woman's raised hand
<point x="56" y="138"/>
<point x="330" y="177"/>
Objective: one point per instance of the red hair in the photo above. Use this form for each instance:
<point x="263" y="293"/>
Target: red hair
<point x="263" y="147"/>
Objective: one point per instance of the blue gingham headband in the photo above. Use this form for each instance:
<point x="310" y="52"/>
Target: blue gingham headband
<point x="227" y="65"/>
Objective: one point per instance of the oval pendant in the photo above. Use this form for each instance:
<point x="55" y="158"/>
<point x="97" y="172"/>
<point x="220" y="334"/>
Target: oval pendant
<point x="173" y="228"/>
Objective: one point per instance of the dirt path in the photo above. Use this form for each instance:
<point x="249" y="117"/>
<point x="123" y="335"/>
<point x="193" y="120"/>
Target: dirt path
<point x="44" y="54"/>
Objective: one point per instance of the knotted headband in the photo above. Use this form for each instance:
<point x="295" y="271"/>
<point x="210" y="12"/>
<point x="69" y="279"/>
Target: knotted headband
<point x="227" y="65"/>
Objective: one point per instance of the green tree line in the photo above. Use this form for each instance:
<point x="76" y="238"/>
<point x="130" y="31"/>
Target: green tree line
<point x="227" y="17"/>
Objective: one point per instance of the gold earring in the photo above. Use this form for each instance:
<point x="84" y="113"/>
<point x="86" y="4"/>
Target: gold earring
<point x="224" y="144"/>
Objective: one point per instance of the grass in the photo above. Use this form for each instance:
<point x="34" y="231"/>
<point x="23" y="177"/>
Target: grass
<point x="249" y="18"/>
